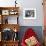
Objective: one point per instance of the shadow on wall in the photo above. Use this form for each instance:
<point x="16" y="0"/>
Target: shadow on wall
<point x="37" y="29"/>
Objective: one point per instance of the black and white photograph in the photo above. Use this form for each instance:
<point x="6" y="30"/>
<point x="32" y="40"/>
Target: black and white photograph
<point x="29" y="13"/>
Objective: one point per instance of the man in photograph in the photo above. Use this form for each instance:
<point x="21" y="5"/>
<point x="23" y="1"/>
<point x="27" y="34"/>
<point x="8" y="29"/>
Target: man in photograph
<point x="29" y="13"/>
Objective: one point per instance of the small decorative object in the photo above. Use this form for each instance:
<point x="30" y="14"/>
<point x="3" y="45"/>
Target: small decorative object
<point x="5" y="12"/>
<point x="0" y="12"/>
<point x="6" y="21"/>
<point x="7" y="34"/>
<point x="0" y="36"/>
<point x="15" y="3"/>
<point x="15" y="36"/>
<point x="13" y="12"/>
<point x="29" y="13"/>
<point x="15" y="30"/>
<point x="0" y="19"/>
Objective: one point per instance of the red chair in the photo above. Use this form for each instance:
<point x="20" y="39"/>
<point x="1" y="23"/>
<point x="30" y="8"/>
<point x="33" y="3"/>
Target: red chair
<point x="29" y="33"/>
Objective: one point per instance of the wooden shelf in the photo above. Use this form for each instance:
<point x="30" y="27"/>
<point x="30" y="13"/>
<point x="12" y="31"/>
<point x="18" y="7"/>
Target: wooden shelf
<point x="9" y="8"/>
<point x="11" y="41"/>
<point x="4" y="24"/>
<point x="10" y="26"/>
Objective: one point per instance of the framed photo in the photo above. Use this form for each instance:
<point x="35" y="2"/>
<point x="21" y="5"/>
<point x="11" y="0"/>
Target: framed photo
<point x="5" y="12"/>
<point x="29" y="13"/>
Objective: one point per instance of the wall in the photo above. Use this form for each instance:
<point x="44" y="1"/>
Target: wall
<point x="39" y="12"/>
<point x="6" y="3"/>
<point x="27" y="4"/>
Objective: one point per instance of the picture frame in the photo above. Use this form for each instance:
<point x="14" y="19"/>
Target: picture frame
<point x="29" y="13"/>
<point x="5" y="12"/>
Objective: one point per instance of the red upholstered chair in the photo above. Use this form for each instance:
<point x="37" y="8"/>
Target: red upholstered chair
<point x="29" y="33"/>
